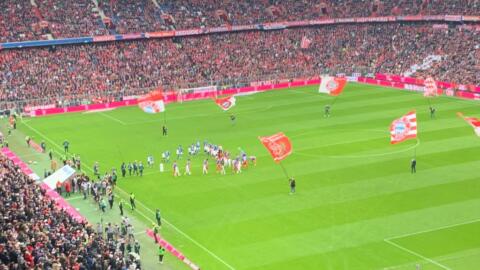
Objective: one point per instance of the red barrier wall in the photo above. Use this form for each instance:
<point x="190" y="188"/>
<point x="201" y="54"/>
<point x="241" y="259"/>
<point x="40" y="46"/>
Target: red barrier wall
<point x="380" y="79"/>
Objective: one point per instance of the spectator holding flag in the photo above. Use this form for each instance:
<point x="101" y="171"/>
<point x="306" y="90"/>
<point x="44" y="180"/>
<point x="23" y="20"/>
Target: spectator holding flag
<point x="293" y="184"/>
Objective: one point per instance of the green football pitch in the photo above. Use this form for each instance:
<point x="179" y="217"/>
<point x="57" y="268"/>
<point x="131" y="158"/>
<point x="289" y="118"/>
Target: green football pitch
<point x="357" y="205"/>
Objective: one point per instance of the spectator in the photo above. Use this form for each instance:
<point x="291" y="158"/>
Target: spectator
<point x="28" y="20"/>
<point x="36" y="233"/>
<point x="104" y="72"/>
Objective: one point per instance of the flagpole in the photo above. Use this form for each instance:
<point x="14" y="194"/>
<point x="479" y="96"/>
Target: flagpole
<point x="335" y="100"/>
<point x="429" y="102"/>
<point x="284" y="170"/>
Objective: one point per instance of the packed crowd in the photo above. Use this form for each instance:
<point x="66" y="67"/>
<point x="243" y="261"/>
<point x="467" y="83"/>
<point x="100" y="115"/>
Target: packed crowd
<point x="37" y="234"/>
<point x="71" y="18"/>
<point x="17" y="22"/>
<point x="191" y="13"/>
<point x="20" y="19"/>
<point x="133" y="16"/>
<point x="107" y="71"/>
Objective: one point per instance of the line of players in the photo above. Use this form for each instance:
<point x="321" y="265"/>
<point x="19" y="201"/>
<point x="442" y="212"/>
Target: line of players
<point x="222" y="159"/>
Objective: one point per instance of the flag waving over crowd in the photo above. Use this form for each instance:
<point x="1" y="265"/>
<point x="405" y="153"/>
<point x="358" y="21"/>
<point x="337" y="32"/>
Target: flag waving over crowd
<point x="431" y="89"/>
<point x="152" y="102"/>
<point x="474" y="122"/>
<point x="332" y="85"/>
<point x="226" y="103"/>
<point x="278" y="145"/>
<point x="404" y="128"/>
<point x="305" y="44"/>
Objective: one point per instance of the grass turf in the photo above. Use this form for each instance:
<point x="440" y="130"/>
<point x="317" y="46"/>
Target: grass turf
<point x="357" y="205"/>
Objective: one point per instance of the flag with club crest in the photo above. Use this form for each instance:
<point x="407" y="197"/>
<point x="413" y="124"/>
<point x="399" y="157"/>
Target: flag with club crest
<point x="430" y="88"/>
<point x="474" y="122"/>
<point x="278" y="145"/>
<point x="404" y="128"/>
<point x="305" y="44"/>
<point x="152" y="102"/>
<point x="226" y="103"/>
<point x="332" y="85"/>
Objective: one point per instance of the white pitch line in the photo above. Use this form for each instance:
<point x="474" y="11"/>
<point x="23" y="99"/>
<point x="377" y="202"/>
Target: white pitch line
<point x="256" y="110"/>
<point x="113" y="118"/>
<point x="441" y="259"/>
<point x="30" y="155"/>
<point x="73" y="198"/>
<point x="417" y="254"/>
<point x="435" y="229"/>
<point x="185" y="235"/>
<point x="140" y="203"/>
<point x="357" y="156"/>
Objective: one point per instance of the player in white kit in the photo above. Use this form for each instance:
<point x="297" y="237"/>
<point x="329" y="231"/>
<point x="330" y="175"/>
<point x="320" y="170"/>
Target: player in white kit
<point x="205" y="167"/>
<point x="187" y="168"/>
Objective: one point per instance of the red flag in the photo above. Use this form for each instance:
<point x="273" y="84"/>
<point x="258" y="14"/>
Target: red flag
<point x="474" y="122"/>
<point x="404" y="128"/>
<point x="305" y="44"/>
<point x="278" y="145"/>
<point x="226" y="103"/>
<point x="152" y="102"/>
<point x="332" y="85"/>
<point x="431" y="89"/>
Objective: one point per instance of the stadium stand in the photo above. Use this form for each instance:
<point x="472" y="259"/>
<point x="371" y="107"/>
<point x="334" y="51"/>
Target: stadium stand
<point x="17" y="22"/>
<point x="35" y="233"/>
<point x="69" y="18"/>
<point x="70" y="74"/>
<point x="26" y="20"/>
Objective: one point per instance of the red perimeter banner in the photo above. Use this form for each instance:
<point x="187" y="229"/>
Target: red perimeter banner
<point x="103" y="38"/>
<point x="160" y="34"/>
<point x="453" y="18"/>
<point x="471" y="18"/>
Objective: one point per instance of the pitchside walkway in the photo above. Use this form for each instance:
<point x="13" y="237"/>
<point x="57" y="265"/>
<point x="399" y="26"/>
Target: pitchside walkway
<point x="38" y="162"/>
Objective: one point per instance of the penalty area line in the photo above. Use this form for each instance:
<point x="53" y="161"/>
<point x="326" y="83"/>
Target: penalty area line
<point x="144" y="206"/>
<point x="417" y="254"/>
<point x="435" y="229"/>
<point x="390" y="240"/>
<point x="112" y="118"/>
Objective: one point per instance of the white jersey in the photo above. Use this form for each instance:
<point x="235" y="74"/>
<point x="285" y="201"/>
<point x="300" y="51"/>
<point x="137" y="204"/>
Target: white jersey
<point x="187" y="169"/>
<point x="205" y="168"/>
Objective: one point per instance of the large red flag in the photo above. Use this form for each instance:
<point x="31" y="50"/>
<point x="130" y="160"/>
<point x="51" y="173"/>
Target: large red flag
<point x="404" y="128"/>
<point x="332" y="85"/>
<point x="152" y="102"/>
<point x="226" y="103"/>
<point x="430" y="89"/>
<point x="474" y="122"/>
<point x="278" y="145"/>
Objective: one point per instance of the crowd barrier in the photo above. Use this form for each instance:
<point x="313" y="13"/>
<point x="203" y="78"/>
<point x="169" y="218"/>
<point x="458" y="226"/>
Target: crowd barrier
<point x="237" y="28"/>
<point x="172" y="97"/>
<point x="17" y="161"/>
<point x="70" y="210"/>
<point x="164" y="243"/>
<point x="407" y="83"/>
<point x="59" y="200"/>
<point x="417" y="81"/>
<point x="414" y="84"/>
